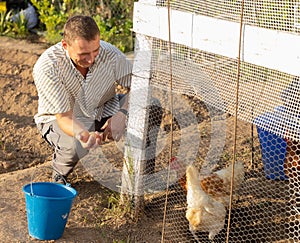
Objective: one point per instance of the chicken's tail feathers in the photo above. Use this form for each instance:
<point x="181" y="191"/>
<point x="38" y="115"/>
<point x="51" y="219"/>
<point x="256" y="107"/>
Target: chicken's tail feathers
<point x="239" y="171"/>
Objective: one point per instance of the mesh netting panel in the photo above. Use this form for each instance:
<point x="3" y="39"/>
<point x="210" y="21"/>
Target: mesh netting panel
<point x="194" y="110"/>
<point x="214" y="79"/>
<point x="277" y="15"/>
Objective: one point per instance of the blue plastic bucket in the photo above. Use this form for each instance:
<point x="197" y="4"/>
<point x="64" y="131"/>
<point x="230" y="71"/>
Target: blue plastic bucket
<point x="273" y="147"/>
<point x="48" y="206"/>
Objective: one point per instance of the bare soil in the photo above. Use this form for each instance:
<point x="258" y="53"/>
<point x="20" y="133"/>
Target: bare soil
<point x="25" y="157"/>
<point x="95" y="216"/>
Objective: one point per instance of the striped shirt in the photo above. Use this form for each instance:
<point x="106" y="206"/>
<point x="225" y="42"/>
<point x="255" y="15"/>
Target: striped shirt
<point x="61" y="87"/>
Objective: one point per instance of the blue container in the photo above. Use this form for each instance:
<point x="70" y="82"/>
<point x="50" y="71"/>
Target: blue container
<point x="48" y="206"/>
<point x="273" y="147"/>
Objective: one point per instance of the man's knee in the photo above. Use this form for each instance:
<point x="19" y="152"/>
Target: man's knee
<point x="65" y="158"/>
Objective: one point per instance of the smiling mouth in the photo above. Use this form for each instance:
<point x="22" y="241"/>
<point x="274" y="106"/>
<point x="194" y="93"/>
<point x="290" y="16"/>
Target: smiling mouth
<point x="86" y="64"/>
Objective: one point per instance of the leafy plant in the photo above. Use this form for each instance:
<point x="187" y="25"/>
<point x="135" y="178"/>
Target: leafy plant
<point x="118" y="34"/>
<point x="112" y="17"/>
<point x="115" y="23"/>
<point x="120" y="207"/>
<point x="5" y="22"/>
<point x="117" y="212"/>
<point x="53" y="14"/>
<point x="19" y="26"/>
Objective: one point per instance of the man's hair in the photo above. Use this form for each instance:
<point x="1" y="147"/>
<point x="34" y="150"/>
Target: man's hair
<point x="80" y="26"/>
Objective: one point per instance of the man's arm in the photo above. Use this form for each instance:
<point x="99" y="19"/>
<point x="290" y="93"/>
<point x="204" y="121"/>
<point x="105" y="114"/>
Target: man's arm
<point x="72" y="127"/>
<point x="115" y="126"/>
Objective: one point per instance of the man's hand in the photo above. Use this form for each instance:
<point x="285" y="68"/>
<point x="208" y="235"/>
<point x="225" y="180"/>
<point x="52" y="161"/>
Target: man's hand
<point x="114" y="127"/>
<point x="89" y="140"/>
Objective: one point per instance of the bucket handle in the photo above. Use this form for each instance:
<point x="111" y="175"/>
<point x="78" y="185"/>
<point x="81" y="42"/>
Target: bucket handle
<point x="32" y="176"/>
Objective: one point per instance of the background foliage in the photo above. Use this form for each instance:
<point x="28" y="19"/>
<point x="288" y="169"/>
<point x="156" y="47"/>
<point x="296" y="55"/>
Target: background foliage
<point x="114" y="19"/>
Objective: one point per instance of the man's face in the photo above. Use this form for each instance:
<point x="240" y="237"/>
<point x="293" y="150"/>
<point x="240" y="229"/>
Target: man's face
<point x="83" y="52"/>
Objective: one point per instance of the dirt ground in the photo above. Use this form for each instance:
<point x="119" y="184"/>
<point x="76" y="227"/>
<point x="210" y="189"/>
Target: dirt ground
<point x="95" y="216"/>
<point x="23" y="152"/>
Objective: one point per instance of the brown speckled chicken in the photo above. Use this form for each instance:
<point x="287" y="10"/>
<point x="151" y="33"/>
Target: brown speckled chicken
<point x="292" y="159"/>
<point x="208" y="197"/>
<point x="203" y="212"/>
<point x="218" y="184"/>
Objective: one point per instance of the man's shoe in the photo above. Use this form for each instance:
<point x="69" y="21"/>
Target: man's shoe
<point x="57" y="178"/>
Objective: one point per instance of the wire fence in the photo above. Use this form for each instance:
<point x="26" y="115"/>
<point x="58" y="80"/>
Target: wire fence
<point x="225" y="74"/>
<point x="212" y="146"/>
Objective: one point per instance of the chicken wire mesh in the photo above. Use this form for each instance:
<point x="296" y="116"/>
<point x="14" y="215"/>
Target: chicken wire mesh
<point x="228" y="92"/>
<point x="217" y="107"/>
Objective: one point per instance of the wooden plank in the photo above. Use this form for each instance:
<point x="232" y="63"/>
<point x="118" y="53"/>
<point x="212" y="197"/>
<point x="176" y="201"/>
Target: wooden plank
<point x="273" y="49"/>
<point x="216" y="36"/>
<point x="153" y="21"/>
<point x="181" y="24"/>
<point x="146" y="19"/>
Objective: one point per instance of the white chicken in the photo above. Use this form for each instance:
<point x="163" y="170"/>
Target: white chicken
<point x="208" y="198"/>
<point x="203" y="212"/>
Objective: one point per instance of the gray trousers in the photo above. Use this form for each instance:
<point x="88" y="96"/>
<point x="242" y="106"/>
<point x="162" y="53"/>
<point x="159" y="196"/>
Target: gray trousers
<point x="68" y="150"/>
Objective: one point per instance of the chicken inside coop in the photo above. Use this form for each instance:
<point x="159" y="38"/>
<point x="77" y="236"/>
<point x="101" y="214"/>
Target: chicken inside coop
<point x="292" y="159"/>
<point x="208" y="197"/>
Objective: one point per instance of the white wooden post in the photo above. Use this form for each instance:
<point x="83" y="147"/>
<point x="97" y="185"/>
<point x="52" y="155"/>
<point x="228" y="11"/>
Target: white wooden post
<point x="133" y="171"/>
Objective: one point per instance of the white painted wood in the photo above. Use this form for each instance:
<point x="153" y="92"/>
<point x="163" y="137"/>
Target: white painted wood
<point x="137" y="120"/>
<point x="181" y="24"/>
<point x="152" y="2"/>
<point x="273" y="49"/>
<point x="153" y="21"/>
<point x="216" y="36"/>
<point x="146" y="19"/>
